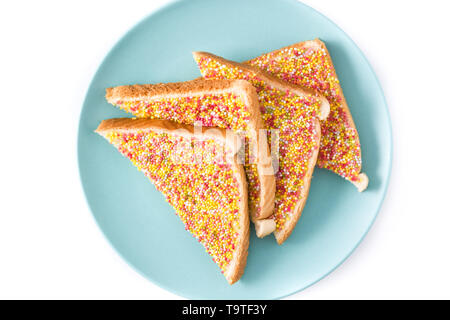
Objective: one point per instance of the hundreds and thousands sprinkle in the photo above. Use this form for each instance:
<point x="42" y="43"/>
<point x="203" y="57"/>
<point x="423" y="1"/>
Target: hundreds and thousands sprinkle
<point x="205" y="194"/>
<point x="340" y="150"/>
<point x="294" y="117"/>
<point x="225" y="110"/>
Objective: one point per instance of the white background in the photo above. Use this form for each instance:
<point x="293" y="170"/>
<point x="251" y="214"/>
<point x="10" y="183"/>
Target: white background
<point x="50" y="246"/>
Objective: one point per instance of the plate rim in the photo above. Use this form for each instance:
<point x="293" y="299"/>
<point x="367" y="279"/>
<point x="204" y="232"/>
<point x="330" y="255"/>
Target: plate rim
<point x="176" y="291"/>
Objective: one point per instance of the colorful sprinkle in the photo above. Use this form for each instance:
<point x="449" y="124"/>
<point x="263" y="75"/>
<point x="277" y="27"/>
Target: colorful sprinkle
<point x="225" y="110"/>
<point x="340" y="150"/>
<point x="293" y="117"/>
<point x="205" y="194"/>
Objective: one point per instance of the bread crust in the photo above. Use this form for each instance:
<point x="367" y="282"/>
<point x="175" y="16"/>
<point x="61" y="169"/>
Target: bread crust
<point x="317" y="44"/>
<point x="199" y="87"/>
<point x="282" y="85"/>
<point x="237" y="265"/>
<point x="196" y="87"/>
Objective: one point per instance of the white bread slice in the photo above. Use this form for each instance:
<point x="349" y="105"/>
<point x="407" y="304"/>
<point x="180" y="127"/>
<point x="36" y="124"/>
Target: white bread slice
<point x="295" y="112"/>
<point x="308" y="64"/>
<point x="214" y="207"/>
<point x="229" y="104"/>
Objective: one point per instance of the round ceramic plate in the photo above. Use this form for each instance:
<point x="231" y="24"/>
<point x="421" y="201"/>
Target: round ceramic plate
<point x="134" y="215"/>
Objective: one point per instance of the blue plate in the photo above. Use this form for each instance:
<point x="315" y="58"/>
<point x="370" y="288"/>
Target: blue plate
<point x="142" y="226"/>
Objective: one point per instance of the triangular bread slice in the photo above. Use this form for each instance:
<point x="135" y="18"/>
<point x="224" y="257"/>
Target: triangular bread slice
<point x="308" y="64"/>
<point x="293" y="114"/>
<point x="198" y="173"/>
<point x="229" y="104"/>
